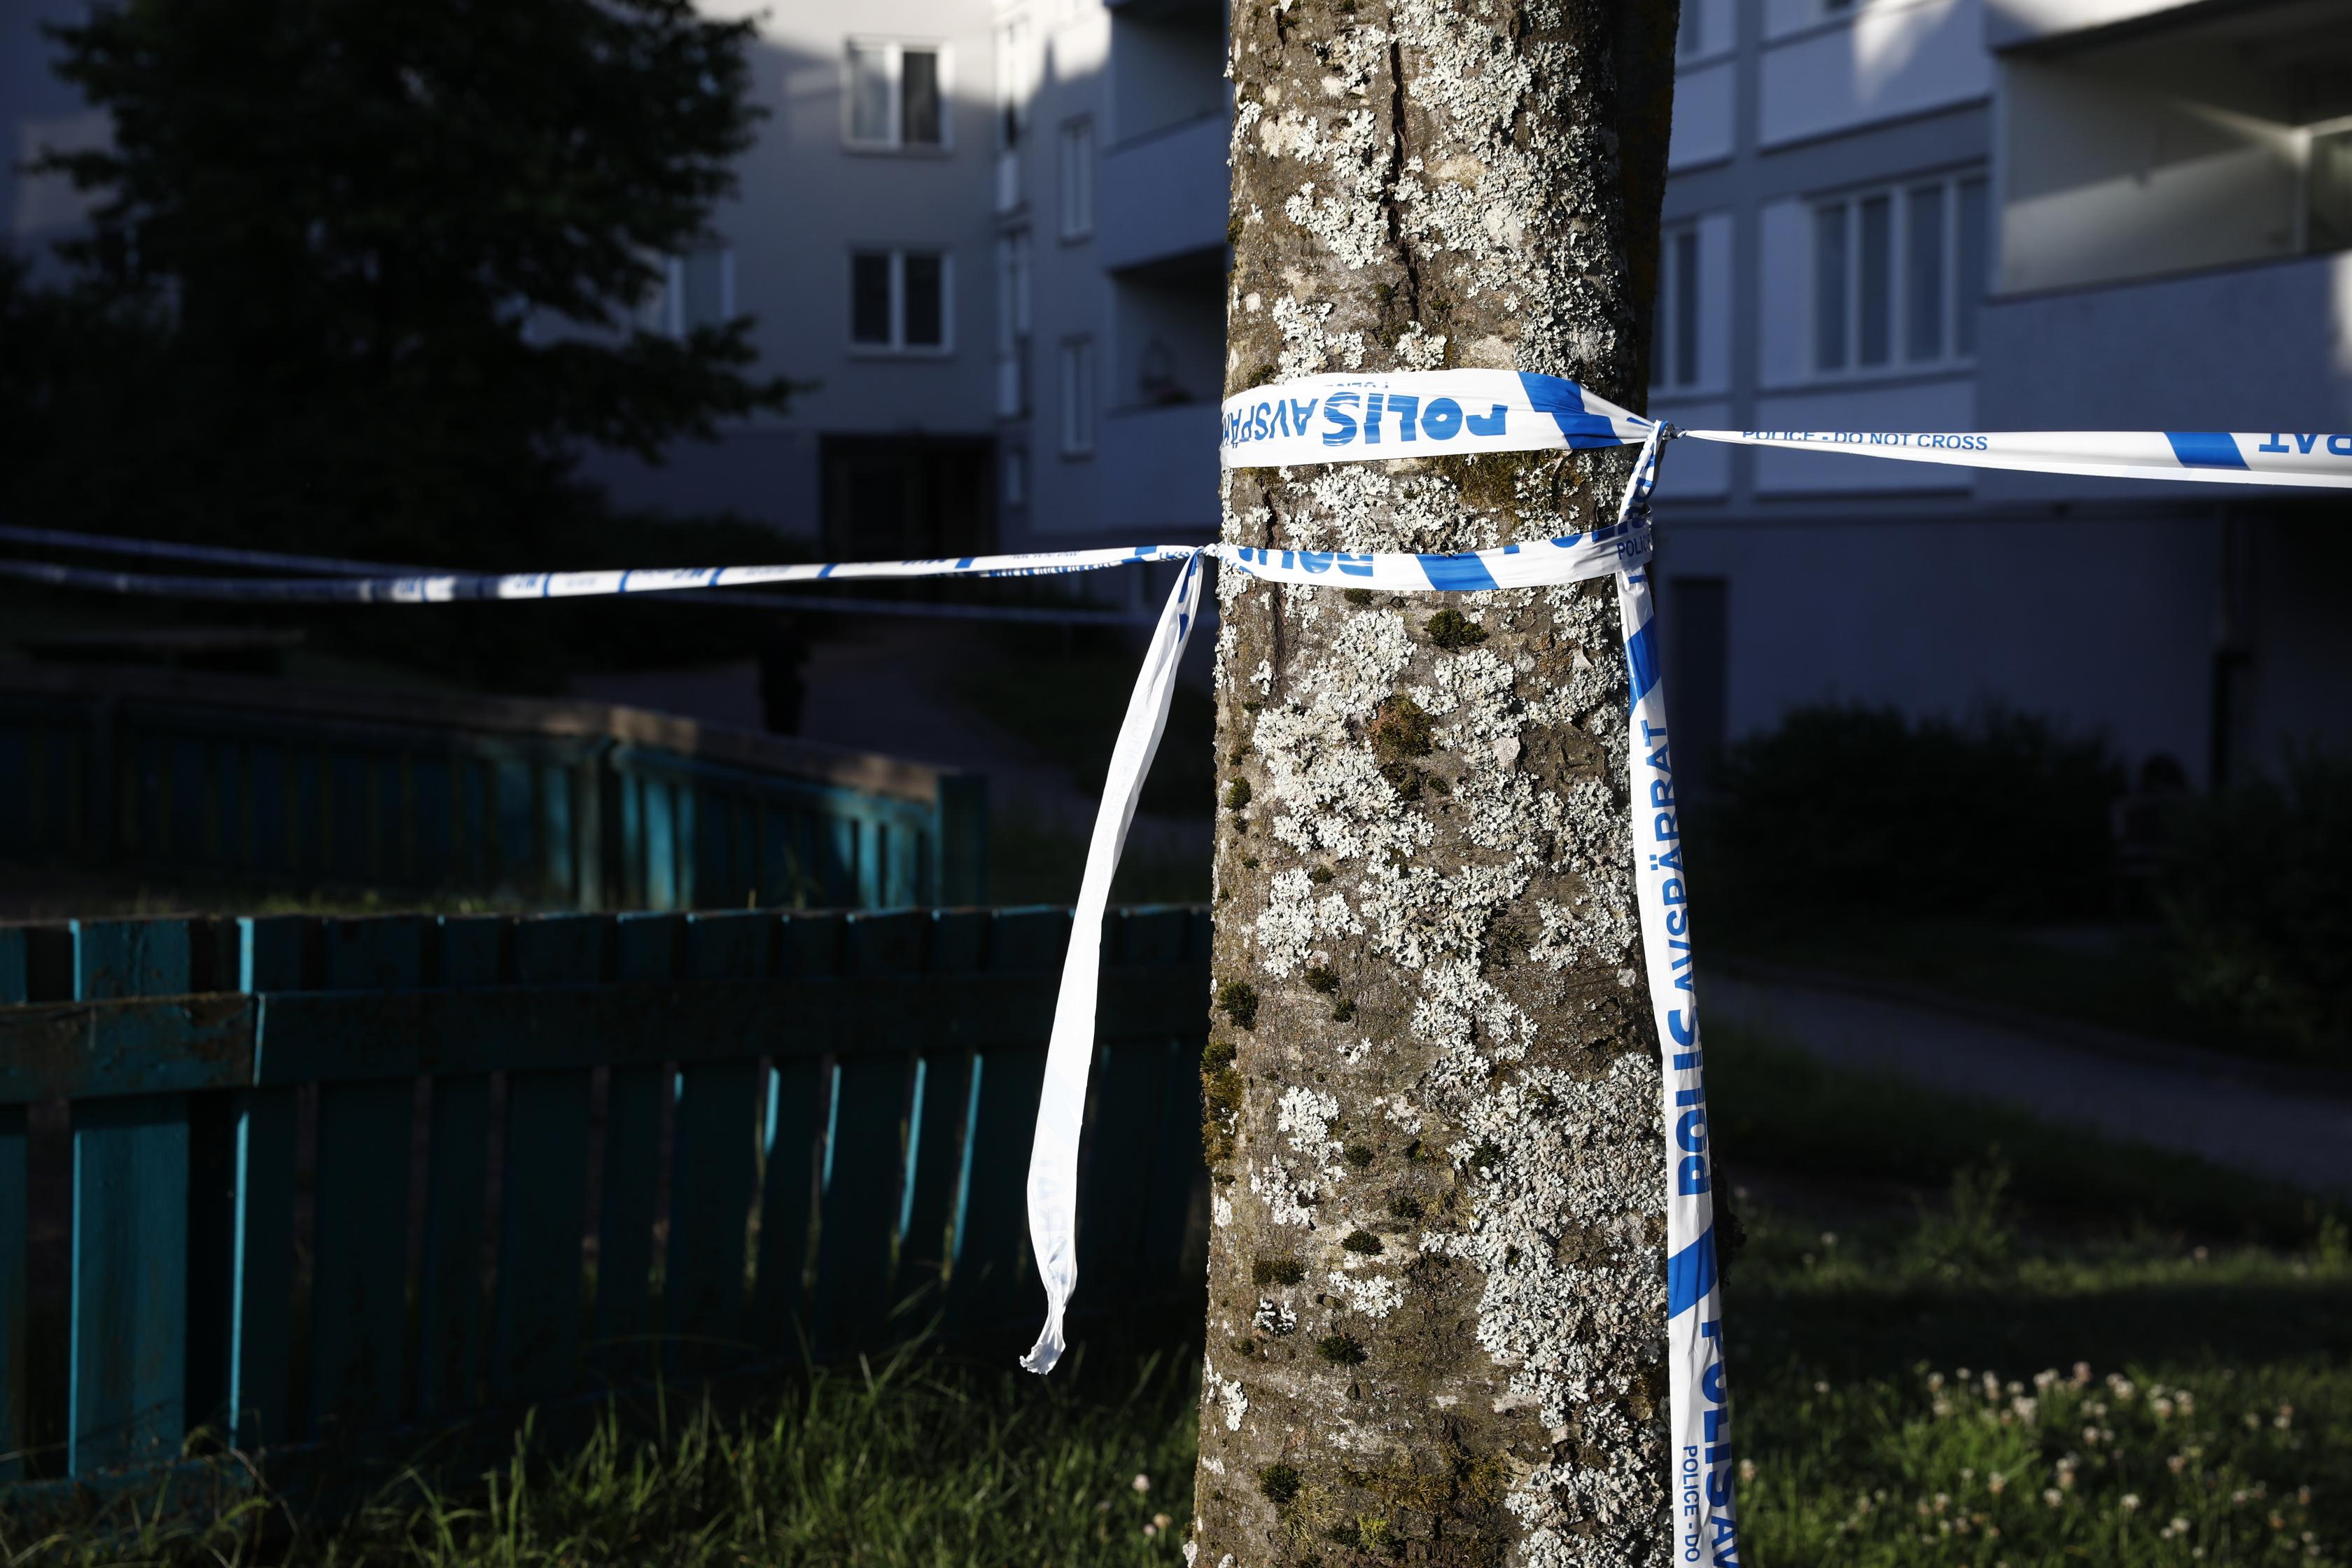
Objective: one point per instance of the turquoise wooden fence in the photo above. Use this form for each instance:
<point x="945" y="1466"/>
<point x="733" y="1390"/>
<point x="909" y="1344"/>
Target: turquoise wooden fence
<point x="209" y="780"/>
<point x="303" y="1180"/>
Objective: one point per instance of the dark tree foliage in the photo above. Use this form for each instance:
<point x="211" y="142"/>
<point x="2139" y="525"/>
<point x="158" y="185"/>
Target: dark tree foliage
<point x="2256" y="894"/>
<point x="1860" y="813"/>
<point x="368" y="275"/>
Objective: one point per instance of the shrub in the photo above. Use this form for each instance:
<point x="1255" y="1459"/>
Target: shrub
<point x="1862" y="813"/>
<point x="2258" y="894"/>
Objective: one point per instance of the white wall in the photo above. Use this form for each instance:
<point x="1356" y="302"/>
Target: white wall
<point x="1784" y="291"/>
<point x="1883" y="61"/>
<point x="1703" y="128"/>
<point x="1933" y="615"/>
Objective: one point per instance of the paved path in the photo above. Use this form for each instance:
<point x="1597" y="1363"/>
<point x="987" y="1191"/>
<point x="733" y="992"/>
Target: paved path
<point x="2263" y="1123"/>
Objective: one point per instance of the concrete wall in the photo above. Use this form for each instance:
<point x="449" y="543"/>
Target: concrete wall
<point x="1827" y="72"/>
<point x="2108" y="628"/>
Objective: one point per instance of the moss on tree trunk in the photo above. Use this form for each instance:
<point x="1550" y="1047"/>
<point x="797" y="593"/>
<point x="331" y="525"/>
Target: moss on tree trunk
<point x="1436" y="1284"/>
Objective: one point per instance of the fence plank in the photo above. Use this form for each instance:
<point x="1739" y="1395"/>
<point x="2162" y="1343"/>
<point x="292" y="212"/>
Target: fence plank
<point x="646" y="948"/>
<point x="129" y="1354"/>
<point x="935" y="1118"/>
<point x="450" y="1282"/>
<point x="715" y="1156"/>
<point x="799" y="1106"/>
<point x="990" y="1277"/>
<point x="359" y="1246"/>
<point x="863" y="1156"/>
<point x="543" y="1175"/>
<point x="16" y="1235"/>
<point x="1168" y="1143"/>
<point x="273" y="952"/>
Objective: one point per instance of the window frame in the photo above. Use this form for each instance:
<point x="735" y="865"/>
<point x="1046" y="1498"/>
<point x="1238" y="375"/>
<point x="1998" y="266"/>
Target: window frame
<point x="1077" y="154"/>
<point x="1901" y="196"/>
<point x="1015" y="265"/>
<point x="898" y="347"/>
<point x="894" y="52"/>
<point x="665" y="314"/>
<point x="1077" y="422"/>
<point x="1668" y="345"/>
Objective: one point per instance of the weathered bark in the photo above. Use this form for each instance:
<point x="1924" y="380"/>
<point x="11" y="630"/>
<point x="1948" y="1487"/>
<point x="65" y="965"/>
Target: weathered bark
<point x="1436" y="1284"/>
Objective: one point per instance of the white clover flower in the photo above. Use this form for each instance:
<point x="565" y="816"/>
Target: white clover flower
<point x="1996" y="1483"/>
<point x="1142" y="1483"/>
<point x="2130" y="1502"/>
<point x="2052" y="1496"/>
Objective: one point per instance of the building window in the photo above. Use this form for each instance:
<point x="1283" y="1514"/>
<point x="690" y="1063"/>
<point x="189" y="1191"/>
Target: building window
<point x="696" y="289"/>
<point x="1897" y="274"/>
<point x="1016" y="476"/>
<point x="898" y="95"/>
<point x="1674" y="331"/>
<point x="1690" y="38"/>
<point x="1078" y="179"/>
<point x="1077" y="397"/>
<point x="1013" y="324"/>
<point x="900" y="301"/>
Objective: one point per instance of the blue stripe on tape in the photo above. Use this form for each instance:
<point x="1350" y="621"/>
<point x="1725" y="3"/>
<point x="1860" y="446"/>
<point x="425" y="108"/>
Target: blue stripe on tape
<point x="1564" y="401"/>
<point x="1690" y="1274"/>
<point x="1642" y="659"/>
<point x="1462" y="570"/>
<point x="2205" y="449"/>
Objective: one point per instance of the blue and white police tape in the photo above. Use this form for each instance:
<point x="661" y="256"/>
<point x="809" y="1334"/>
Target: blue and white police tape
<point x="455" y="588"/>
<point x="339" y="566"/>
<point x="1428" y="413"/>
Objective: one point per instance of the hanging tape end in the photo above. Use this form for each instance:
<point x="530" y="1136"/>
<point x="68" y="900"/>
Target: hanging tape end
<point x="1047" y="1351"/>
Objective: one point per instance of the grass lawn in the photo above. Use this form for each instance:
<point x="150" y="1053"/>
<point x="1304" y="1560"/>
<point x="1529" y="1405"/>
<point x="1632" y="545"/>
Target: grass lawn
<point x="1958" y="1337"/>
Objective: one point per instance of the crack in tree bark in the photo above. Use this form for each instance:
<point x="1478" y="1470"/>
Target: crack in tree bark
<point x="1397" y="155"/>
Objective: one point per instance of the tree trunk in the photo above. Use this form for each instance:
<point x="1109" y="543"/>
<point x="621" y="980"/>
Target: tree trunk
<point x="1436" y="1284"/>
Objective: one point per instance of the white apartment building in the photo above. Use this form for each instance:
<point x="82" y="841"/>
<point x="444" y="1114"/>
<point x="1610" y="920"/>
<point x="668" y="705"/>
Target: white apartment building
<point x="994" y="237"/>
<point x="992" y="234"/>
<point x="2009" y="214"/>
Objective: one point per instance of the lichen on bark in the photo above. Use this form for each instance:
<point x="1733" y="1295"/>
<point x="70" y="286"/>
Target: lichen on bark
<point x="1436" y="1292"/>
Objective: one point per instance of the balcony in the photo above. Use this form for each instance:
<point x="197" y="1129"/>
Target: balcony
<point x="1159" y="471"/>
<point x="2195" y="137"/>
<point x="1163" y="196"/>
